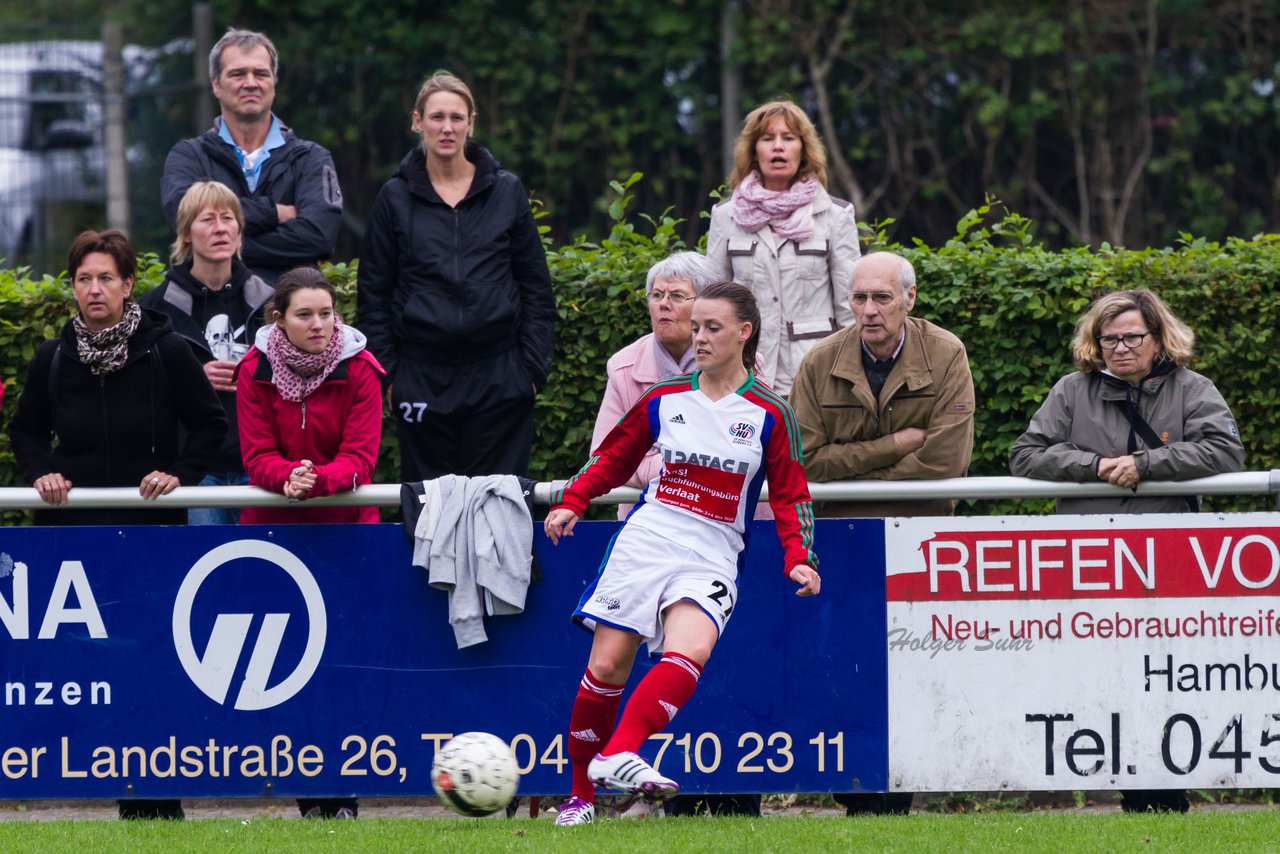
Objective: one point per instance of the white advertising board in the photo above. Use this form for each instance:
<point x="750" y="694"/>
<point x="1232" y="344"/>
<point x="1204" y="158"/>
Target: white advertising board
<point x="1073" y="652"/>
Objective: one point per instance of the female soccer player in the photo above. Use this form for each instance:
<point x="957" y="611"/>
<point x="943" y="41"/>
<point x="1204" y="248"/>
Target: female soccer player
<point x="670" y="577"/>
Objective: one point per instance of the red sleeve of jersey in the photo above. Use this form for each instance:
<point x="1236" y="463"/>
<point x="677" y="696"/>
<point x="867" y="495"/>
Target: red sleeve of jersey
<point x="617" y="457"/>
<point x="788" y="486"/>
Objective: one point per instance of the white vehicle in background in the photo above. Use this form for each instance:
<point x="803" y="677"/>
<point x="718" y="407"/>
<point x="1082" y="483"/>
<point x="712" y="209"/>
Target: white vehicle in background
<point x="50" y="135"/>
<point x="51" y="119"/>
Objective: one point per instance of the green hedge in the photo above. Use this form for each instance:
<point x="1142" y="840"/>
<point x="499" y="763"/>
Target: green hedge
<point x="1011" y="301"/>
<point x="1015" y="304"/>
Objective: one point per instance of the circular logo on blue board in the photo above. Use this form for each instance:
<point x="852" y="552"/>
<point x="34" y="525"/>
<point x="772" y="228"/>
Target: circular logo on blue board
<point x="213" y="671"/>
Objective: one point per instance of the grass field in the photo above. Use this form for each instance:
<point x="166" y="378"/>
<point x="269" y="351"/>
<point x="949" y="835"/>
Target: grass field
<point x="1234" y="831"/>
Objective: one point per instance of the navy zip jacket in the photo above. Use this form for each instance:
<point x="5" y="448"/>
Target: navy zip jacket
<point x="299" y="173"/>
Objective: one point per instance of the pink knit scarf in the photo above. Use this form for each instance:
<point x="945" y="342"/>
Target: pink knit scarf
<point x="297" y="373"/>
<point x="789" y="212"/>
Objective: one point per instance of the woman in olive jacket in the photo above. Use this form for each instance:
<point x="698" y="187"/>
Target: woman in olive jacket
<point x="1133" y="411"/>
<point x="455" y="297"/>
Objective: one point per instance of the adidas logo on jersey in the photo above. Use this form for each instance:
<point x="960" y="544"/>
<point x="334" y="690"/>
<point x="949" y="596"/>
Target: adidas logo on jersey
<point x="585" y="735"/>
<point x="678" y="418"/>
<point x="670" y="709"/>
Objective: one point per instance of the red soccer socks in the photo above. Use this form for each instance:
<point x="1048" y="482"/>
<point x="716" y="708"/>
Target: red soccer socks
<point x="657" y="698"/>
<point x="595" y="710"/>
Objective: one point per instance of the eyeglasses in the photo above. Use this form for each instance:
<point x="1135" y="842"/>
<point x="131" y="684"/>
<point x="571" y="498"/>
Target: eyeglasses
<point x="1132" y="340"/>
<point x="656" y="297"/>
<point x="878" y="297"/>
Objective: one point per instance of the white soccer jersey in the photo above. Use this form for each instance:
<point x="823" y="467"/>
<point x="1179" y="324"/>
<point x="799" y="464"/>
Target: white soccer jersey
<point x="716" y="456"/>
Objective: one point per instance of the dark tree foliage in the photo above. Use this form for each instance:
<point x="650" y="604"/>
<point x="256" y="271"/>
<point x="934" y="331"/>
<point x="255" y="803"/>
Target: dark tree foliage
<point x="1110" y="121"/>
<point x="1106" y="121"/>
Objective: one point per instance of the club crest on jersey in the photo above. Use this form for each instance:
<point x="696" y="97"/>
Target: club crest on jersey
<point x="742" y="432"/>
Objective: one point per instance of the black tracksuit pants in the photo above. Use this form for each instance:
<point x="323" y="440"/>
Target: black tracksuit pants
<point x="472" y="419"/>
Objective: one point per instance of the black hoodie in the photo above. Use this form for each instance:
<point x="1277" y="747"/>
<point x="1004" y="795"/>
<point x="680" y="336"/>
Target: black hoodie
<point x="455" y="285"/>
<point x="237" y="306"/>
<point x="115" y="429"/>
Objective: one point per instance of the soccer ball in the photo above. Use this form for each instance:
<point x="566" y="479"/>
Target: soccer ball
<point x="475" y="774"/>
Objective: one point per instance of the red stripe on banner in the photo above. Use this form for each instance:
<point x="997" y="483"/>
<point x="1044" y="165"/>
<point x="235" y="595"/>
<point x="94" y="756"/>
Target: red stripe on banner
<point x="1092" y="564"/>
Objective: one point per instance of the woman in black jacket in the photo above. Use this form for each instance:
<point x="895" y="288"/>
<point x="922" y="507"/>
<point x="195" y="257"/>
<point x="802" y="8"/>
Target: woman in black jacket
<point x="215" y="302"/>
<point x="456" y="299"/>
<point x="114" y="388"/>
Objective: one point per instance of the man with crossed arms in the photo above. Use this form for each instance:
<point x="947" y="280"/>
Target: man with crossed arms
<point x="889" y="398"/>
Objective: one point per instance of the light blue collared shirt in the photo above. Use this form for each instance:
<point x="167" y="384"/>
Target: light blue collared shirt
<point x="251" y="161"/>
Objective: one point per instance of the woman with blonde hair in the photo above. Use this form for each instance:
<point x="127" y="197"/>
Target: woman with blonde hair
<point x="785" y="238"/>
<point x="213" y="301"/>
<point x="1132" y="411"/>
<point x="455" y="297"/>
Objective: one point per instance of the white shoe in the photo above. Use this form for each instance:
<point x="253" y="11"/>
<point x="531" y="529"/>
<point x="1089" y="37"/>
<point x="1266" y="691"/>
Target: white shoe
<point x="638" y="808"/>
<point x="627" y="772"/>
<point x="575" y="811"/>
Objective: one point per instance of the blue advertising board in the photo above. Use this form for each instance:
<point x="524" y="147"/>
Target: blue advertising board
<point x="247" y="661"/>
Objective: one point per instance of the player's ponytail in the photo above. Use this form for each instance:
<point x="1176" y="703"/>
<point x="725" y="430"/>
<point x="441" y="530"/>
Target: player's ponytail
<point x="745" y="310"/>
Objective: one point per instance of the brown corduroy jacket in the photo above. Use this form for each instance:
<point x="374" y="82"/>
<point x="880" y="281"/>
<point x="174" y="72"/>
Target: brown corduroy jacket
<point x="848" y="434"/>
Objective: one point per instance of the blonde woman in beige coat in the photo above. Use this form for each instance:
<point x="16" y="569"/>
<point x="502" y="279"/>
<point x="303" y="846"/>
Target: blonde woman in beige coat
<point x="785" y="238"/>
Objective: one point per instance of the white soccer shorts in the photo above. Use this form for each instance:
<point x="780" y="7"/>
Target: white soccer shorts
<point x="643" y="574"/>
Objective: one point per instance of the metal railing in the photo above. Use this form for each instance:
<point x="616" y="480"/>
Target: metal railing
<point x="388" y="495"/>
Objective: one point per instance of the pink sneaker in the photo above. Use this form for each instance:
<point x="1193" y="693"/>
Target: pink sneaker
<point x="575" y="811"/>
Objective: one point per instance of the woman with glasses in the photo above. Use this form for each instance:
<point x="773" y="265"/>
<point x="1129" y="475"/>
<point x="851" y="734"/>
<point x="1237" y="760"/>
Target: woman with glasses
<point x="782" y="236"/>
<point x="665" y="352"/>
<point x="1132" y="411"/>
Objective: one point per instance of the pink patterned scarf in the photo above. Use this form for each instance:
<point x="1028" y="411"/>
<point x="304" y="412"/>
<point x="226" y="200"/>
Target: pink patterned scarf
<point x="788" y="212"/>
<point x="669" y="367"/>
<point x="297" y="373"/>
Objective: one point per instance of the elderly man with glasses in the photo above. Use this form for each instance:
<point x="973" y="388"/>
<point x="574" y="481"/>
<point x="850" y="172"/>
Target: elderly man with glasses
<point x="889" y="398"/>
